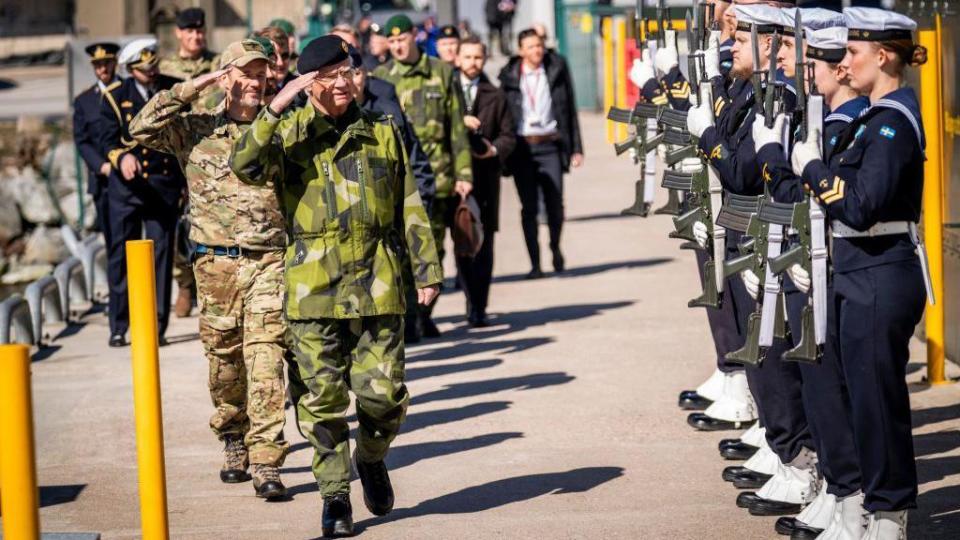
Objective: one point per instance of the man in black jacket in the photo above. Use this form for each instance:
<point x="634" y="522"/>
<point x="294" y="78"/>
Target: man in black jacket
<point x="86" y="133"/>
<point x="488" y="118"/>
<point x="539" y="91"/>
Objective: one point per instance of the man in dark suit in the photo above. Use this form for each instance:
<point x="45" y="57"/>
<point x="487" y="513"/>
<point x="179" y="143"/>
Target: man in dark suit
<point x="491" y="125"/>
<point x="86" y="133"/>
<point x="144" y="186"/>
<point x="539" y="90"/>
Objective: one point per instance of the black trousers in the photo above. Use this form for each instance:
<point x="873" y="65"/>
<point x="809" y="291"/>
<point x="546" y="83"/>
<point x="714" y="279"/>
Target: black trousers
<point x="476" y="274"/>
<point x="539" y="173"/>
<point x="101" y="202"/>
<point x="722" y="321"/>
<point x="877" y="310"/>
<point x="132" y="218"/>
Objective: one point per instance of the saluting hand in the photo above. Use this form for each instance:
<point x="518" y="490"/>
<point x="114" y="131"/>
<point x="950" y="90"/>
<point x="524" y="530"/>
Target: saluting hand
<point x="129" y="166"/>
<point x="289" y="92"/>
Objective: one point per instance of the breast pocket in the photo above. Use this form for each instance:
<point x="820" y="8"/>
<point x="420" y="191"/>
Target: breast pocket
<point x="380" y="189"/>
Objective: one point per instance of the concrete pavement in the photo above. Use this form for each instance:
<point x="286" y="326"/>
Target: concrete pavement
<point x="557" y="422"/>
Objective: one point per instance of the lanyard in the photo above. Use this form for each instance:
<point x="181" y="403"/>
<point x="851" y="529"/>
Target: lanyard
<point x="531" y="94"/>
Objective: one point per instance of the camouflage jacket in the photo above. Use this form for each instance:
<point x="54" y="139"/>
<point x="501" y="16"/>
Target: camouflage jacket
<point x="432" y="106"/>
<point x="187" y="68"/>
<point x="223" y="210"/>
<point x="350" y="199"/>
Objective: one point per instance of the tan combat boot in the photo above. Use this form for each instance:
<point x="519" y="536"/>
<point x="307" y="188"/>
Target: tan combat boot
<point x="235" y="462"/>
<point x="266" y="482"/>
<point x="184" y="303"/>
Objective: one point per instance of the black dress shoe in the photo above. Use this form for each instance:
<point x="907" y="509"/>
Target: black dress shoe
<point x="162" y="341"/>
<point x="733" y="472"/>
<point x="740" y="451"/>
<point x="702" y="422"/>
<point x="746" y="499"/>
<point x="430" y="329"/>
<point x="377" y="490"/>
<point x="785" y="526"/>
<point x="805" y="532"/>
<point x="337" y="520"/>
<point x="117" y="340"/>
<point x="768" y="507"/>
<point x="480" y="321"/>
<point x="690" y="400"/>
<point x="750" y="480"/>
<point x="727" y="442"/>
<point x="536" y="273"/>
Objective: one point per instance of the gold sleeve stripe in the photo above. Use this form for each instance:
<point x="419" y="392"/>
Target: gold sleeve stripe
<point x="836" y="191"/>
<point x="114" y="156"/>
<point x="659" y="100"/>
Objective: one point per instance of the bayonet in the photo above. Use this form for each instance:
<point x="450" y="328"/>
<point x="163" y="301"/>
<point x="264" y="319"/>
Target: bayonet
<point x="770" y="95"/>
<point x="755" y="79"/>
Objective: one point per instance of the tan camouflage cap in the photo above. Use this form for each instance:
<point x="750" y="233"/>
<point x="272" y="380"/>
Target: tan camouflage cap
<point x="241" y="53"/>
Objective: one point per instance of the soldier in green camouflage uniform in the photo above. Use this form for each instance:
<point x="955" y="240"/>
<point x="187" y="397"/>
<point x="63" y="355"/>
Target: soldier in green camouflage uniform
<point x="351" y="203"/>
<point x="432" y="105"/>
<point x="240" y="236"/>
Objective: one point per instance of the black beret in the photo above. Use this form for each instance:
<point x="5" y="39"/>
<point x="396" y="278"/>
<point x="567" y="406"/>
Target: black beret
<point x="102" y="51"/>
<point x="449" y="31"/>
<point x="322" y="52"/>
<point x="355" y="57"/>
<point x="191" y="18"/>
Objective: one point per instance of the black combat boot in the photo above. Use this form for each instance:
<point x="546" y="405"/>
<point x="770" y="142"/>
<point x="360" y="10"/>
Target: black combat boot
<point x="377" y="491"/>
<point x="266" y="482"/>
<point x="234" y="470"/>
<point x="337" y="520"/>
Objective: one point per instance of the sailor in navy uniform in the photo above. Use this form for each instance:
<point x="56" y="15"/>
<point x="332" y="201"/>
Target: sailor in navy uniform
<point x="671" y="88"/>
<point x="823" y="387"/>
<point x="86" y="134"/>
<point x="144" y="187"/>
<point x="870" y="184"/>
<point x="788" y="481"/>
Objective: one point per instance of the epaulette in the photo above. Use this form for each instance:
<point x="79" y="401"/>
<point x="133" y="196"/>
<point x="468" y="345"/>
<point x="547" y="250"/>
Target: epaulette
<point x="114" y="84"/>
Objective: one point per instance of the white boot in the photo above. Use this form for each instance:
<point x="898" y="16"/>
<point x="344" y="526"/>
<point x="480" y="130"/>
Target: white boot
<point x="764" y="461"/>
<point x="755" y="436"/>
<point x="886" y="526"/>
<point x="848" y="521"/>
<point x="819" y="513"/>
<point x="794" y="482"/>
<point x="736" y="403"/>
<point x="712" y="388"/>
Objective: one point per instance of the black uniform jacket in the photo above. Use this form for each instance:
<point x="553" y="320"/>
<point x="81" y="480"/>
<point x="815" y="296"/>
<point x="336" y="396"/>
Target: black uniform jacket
<point x="86" y="134"/>
<point x="160" y="173"/>
<point x="874" y="174"/>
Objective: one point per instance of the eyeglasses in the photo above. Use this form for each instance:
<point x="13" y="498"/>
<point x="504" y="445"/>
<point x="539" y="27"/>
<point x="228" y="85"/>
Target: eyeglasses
<point x="346" y="73"/>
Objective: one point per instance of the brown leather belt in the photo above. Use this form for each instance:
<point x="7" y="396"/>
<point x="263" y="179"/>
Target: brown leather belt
<point x="541" y="139"/>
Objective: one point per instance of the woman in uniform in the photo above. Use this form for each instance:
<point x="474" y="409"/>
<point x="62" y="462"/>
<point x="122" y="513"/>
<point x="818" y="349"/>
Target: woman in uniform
<point x="870" y="184"/>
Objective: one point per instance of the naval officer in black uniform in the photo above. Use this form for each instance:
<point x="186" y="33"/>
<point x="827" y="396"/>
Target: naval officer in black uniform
<point x="86" y="133"/>
<point x="144" y="186"/>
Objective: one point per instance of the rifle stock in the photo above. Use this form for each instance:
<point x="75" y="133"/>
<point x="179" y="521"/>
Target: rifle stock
<point x="621" y="147"/>
<point x="780" y="264"/>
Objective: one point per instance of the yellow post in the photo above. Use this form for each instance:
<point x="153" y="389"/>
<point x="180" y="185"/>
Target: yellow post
<point x="608" y="80"/>
<point x="931" y="105"/>
<point x="19" y="480"/>
<point x="146" y="389"/>
<point x="620" y="61"/>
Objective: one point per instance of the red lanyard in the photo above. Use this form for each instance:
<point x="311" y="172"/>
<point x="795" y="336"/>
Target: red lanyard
<point x="531" y="94"/>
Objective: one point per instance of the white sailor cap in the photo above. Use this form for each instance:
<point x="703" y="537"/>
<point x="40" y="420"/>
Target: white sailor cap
<point x="827" y="44"/>
<point x="766" y="18"/>
<point x="819" y="18"/>
<point x="140" y="52"/>
<point x="875" y="24"/>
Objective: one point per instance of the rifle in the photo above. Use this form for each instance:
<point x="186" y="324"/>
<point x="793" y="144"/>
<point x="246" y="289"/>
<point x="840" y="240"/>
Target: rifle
<point x="753" y="248"/>
<point x="642" y="144"/>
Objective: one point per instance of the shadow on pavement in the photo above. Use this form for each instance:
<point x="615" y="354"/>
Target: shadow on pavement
<point x="936" y="443"/>
<point x="937" y="515"/>
<point x="934" y="415"/>
<point x="466" y="348"/>
<point x="503" y="492"/>
<point x="69" y="330"/>
<point x="54" y="495"/>
<point x="599" y="217"/>
<point x="173" y="340"/>
<point x="931" y="470"/>
<point x="45" y="352"/>
<point x="480" y="388"/>
<point x="448" y="369"/>
<point x="581" y="271"/>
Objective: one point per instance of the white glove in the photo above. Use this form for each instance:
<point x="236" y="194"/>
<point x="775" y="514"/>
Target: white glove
<point x="711" y="56"/>
<point x="751" y="282"/>
<point x="632" y="152"/>
<point x="691" y="165"/>
<point x="642" y="70"/>
<point x="666" y="58"/>
<point x="762" y="135"/>
<point x="699" y="118"/>
<point x="806" y="151"/>
<point x="800" y="277"/>
<point x="700" y="234"/>
<point x="662" y="151"/>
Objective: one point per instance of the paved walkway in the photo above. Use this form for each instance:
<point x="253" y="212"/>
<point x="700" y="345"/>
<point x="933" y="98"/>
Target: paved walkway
<point x="557" y="422"/>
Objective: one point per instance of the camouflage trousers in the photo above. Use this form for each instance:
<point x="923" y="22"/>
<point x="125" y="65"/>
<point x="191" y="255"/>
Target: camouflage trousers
<point x="332" y="356"/>
<point x="242" y="328"/>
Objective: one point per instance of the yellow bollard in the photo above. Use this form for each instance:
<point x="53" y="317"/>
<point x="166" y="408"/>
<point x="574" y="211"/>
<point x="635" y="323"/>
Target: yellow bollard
<point x="608" y="81"/>
<point x="19" y="481"/>
<point x="620" y="63"/>
<point x="931" y="107"/>
<point x="141" y="285"/>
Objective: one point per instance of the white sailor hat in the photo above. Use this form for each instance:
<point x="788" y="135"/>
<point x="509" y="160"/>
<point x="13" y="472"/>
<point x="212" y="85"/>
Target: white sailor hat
<point x="875" y="24"/>
<point x="139" y="53"/>
<point x="766" y="18"/>
<point x="827" y="44"/>
<point x="819" y="18"/>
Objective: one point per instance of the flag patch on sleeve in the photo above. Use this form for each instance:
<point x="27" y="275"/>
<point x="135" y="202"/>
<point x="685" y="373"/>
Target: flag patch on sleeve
<point x="888" y="132"/>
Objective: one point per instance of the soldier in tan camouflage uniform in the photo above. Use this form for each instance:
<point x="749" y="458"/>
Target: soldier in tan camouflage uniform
<point x="192" y="59"/>
<point x="432" y="106"/>
<point x="240" y="236"/>
<point x="352" y="204"/>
